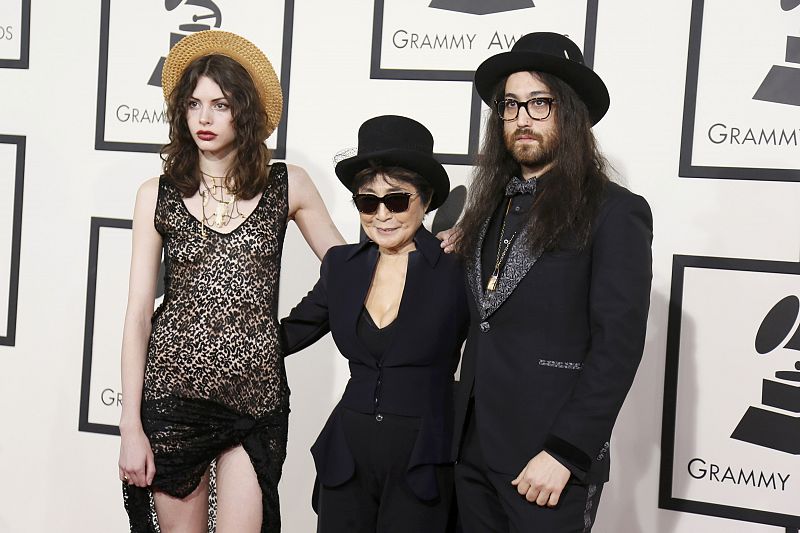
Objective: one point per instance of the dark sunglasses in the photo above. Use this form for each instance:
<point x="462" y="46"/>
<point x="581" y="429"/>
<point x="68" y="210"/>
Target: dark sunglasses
<point x="396" y="202"/>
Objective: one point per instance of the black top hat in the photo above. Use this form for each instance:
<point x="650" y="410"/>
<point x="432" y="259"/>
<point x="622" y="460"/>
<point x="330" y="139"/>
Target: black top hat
<point x="392" y="140"/>
<point x="545" y="52"/>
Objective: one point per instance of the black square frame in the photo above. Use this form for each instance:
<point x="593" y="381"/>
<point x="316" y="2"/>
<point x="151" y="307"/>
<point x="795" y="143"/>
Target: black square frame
<point x="378" y="73"/>
<point x="100" y="143"/>
<point x="97" y="223"/>
<point x="25" y="40"/>
<point x="665" y="499"/>
<point x="685" y="168"/>
<point x="9" y="339"/>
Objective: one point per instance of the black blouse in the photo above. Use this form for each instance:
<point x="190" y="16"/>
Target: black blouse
<point x="374" y="338"/>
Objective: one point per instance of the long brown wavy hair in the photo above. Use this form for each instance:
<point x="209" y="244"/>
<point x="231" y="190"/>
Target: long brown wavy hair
<point x="566" y="202"/>
<point x="249" y="173"/>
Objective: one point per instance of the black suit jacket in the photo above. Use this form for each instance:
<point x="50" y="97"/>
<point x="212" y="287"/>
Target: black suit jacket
<point x="414" y="376"/>
<point x="552" y="353"/>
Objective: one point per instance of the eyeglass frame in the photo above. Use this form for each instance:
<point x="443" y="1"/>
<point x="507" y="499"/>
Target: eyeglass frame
<point x="549" y="99"/>
<point x="382" y="200"/>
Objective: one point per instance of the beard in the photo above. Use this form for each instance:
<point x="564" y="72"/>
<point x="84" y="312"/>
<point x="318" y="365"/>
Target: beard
<point x="531" y="155"/>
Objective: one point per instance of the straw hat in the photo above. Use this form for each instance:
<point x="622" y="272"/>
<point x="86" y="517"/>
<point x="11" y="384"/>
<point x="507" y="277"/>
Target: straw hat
<point x="239" y="49"/>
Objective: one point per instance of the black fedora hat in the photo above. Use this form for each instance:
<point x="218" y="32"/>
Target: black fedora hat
<point x="392" y="140"/>
<point x="545" y="52"/>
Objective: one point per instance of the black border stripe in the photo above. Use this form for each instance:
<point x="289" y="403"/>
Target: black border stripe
<point x="102" y="78"/>
<point x="286" y="61"/>
<point x="9" y="339"/>
<point x="590" y="33"/>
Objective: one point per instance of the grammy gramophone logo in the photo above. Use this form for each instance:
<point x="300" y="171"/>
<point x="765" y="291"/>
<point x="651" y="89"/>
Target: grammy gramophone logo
<point x="782" y="82"/>
<point x="481" y="7"/>
<point x="776" y="424"/>
<point x="210" y="18"/>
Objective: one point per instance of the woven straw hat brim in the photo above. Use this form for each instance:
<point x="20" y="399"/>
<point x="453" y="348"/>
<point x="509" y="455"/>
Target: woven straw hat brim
<point x="239" y="49"/>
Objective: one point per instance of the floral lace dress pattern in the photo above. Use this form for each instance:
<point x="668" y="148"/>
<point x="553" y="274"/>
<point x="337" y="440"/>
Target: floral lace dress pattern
<point x="215" y="377"/>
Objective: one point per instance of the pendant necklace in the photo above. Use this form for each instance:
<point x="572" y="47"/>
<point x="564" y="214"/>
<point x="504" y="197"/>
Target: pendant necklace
<point x="227" y="209"/>
<point x="502" y="249"/>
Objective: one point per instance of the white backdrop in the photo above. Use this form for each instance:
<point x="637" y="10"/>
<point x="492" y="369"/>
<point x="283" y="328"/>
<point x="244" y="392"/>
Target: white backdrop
<point x="62" y="304"/>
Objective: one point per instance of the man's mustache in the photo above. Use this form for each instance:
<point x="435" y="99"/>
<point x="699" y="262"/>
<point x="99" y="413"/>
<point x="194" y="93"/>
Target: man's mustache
<point x="525" y="132"/>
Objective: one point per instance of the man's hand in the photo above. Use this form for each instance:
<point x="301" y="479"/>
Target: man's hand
<point x="449" y="238"/>
<point x="542" y="480"/>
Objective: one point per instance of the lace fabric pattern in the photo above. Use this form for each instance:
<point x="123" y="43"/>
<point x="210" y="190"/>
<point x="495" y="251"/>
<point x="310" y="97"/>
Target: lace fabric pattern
<point x="214" y="376"/>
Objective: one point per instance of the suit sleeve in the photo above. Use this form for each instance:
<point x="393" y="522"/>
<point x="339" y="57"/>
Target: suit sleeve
<point x="619" y="302"/>
<point x="308" y="321"/>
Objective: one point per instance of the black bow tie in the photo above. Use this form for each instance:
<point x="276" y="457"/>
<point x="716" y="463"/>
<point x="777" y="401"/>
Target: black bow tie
<point x="517" y="185"/>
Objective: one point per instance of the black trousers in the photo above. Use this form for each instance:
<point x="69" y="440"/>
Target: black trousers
<point x="489" y="503"/>
<point x="377" y="498"/>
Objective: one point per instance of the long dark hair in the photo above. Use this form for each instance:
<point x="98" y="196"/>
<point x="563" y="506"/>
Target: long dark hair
<point x="249" y="174"/>
<point x="566" y="202"/>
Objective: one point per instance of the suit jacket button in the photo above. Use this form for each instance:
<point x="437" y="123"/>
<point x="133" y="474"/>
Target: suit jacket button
<point x="484" y="327"/>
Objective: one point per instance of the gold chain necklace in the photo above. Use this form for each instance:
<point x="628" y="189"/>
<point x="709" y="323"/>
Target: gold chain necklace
<point x="226" y="210"/>
<point x="491" y="285"/>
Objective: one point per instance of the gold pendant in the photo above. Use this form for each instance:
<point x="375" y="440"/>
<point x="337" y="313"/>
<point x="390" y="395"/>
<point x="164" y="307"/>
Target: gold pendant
<point x="492" y="284"/>
<point x="220" y="212"/>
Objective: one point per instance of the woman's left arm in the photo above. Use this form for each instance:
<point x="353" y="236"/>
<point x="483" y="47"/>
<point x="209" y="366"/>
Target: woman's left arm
<point x="308" y="211"/>
<point x="308" y="321"/>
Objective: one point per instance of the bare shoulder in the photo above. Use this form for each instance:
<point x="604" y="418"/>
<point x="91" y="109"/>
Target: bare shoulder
<point x="148" y="190"/>
<point x="146" y="198"/>
<point x="298" y="176"/>
<point x="302" y="191"/>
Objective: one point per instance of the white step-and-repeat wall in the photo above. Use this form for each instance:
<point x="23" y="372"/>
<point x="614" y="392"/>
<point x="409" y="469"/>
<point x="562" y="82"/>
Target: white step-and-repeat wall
<point x="704" y="123"/>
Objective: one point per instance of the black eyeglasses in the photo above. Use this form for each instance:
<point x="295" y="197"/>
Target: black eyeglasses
<point x="396" y="202"/>
<point x="538" y="108"/>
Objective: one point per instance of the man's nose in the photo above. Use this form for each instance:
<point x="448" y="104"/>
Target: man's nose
<point x="523" y="118"/>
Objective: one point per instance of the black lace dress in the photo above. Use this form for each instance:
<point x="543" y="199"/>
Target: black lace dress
<point x="215" y="377"/>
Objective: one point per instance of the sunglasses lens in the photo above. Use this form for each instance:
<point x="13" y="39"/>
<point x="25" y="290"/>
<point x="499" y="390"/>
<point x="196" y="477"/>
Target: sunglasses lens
<point x="367" y="203"/>
<point x="396" y="202"/>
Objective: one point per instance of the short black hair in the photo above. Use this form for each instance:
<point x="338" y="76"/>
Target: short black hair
<point x="378" y="168"/>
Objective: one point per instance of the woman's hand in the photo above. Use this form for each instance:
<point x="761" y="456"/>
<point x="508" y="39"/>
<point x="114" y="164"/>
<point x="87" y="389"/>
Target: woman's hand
<point x="136" y="465"/>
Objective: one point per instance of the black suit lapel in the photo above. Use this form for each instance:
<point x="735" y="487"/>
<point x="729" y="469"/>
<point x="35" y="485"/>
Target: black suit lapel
<point x="360" y="281"/>
<point x="519" y="262"/>
<point x="474" y="269"/>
